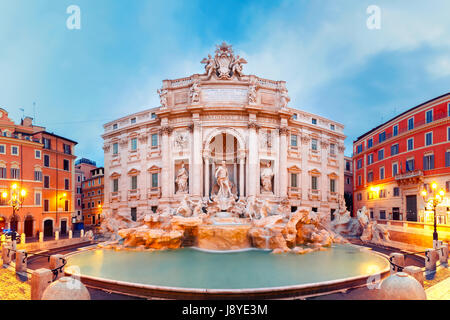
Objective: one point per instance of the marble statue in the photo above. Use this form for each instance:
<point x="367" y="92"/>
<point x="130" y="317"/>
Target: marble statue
<point x="266" y="177"/>
<point x="163" y="97"/>
<point x="184" y="209"/>
<point x="284" y="98"/>
<point x="223" y="181"/>
<point x="210" y="66"/>
<point x="224" y="64"/>
<point x="181" y="139"/>
<point x="182" y="179"/>
<point x="252" y="94"/>
<point x="194" y="92"/>
<point x="265" y="209"/>
<point x="236" y="67"/>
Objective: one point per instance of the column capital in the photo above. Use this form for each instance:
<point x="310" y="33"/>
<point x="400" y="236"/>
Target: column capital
<point x="166" y="130"/>
<point x="254" y="125"/>
<point x="283" y="130"/>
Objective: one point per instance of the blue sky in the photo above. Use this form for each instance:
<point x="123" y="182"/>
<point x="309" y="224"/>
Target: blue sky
<point x="333" y="64"/>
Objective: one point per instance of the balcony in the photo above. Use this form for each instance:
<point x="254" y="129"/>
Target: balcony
<point x="333" y="197"/>
<point x="154" y="192"/>
<point x="134" y="195"/>
<point x="294" y="192"/>
<point x="313" y="194"/>
<point x="411" y="177"/>
<point x="115" y="196"/>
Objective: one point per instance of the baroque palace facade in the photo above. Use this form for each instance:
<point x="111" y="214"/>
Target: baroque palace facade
<point x="222" y="118"/>
<point x="396" y="161"/>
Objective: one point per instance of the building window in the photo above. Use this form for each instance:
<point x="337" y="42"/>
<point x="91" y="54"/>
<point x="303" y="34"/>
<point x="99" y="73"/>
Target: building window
<point x="410" y="144"/>
<point x="37" y="175"/>
<point x="133" y="120"/>
<point x="47" y="143"/>
<point x="429" y="116"/>
<point x="332" y="149"/>
<point x="2" y="149"/>
<point x="428" y="138"/>
<point x="314" y="144"/>
<point x="46" y="182"/>
<point x="369" y="158"/>
<point x="359" y="164"/>
<point x="394" y="149"/>
<point x="46" y="205"/>
<point x="133" y="182"/>
<point x="115" y="148"/>
<point x="154" y="180"/>
<point x="411" y="123"/>
<point x="382" y="136"/>
<point x="448" y="133"/>
<point x="370" y="176"/>
<point x="154" y="140"/>
<point x="66" y="164"/>
<point x="37" y="198"/>
<point x="3" y="173"/>
<point x="134" y="144"/>
<point x="447" y="187"/>
<point x="153" y="115"/>
<point x="67" y="149"/>
<point x="115" y="185"/>
<point x="370" y="143"/>
<point x="395" y="130"/>
<point x="79" y="202"/>
<point x="293" y="180"/>
<point x="359" y="148"/>
<point x="293" y="140"/>
<point x="15" y="173"/>
<point x="134" y="214"/>
<point x="66" y="205"/>
<point x="380" y="154"/>
<point x="332" y="185"/>
<point x="332" y="127"/>
<point x="410" y="165"/>
<point x="428" y="162"/>
<point x="396" y="192"/>
<point x="348" y="181"/>
<point x="383" y="214"/>
<point x="447" y="159"/>
<point x="15" y="150"/>
<point x="381" y="173"/>
<point x="114" y="126"/>
<point x="66" y="184"/>
<point x="314" y="121"/>
<point x="314" y="183"/>
<point x="347" y="166"/>
<point x="37" y="154"/>
<point x="394" y="169"/>
<point x="359" y="196"/>
<point x="46" y="160"/>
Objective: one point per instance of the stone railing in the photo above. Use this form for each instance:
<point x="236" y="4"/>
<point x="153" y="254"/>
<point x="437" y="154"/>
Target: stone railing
<point x="314" y="194"/>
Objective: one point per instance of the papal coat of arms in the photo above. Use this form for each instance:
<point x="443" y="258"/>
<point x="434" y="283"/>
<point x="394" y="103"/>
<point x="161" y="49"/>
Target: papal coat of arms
<point x="224" y="64"/>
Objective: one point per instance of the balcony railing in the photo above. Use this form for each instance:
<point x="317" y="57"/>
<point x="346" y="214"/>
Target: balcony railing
<point x="409" y="175"/>
<point x="417" y="124"/>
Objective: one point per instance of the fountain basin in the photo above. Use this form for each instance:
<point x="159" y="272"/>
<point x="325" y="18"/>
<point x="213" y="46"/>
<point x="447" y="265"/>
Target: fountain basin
<point x="192" y="274"/>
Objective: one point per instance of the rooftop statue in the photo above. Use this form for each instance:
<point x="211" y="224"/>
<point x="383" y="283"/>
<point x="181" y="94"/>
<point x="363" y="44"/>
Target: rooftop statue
<point x="224" y="65"/>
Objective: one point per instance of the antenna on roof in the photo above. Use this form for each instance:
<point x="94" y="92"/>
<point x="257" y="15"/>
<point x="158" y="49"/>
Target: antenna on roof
<point x="34" y="111"/>
<point x="23" y="112"/>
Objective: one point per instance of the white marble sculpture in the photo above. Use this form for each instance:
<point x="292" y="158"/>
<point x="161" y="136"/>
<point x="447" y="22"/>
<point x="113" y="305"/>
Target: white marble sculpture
<point x="163" y="97"/>
<point x="182" y="179"/>
<point x="194" y="93"/>
<point x="266" y="177"/>
<point x="223" y="181"/>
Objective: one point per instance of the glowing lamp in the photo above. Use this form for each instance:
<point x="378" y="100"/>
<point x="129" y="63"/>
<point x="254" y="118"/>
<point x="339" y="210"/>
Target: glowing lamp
<point x="23" y="192"/>
<point x="441" y="193"/>
<point x="14" y="186"/>
<point x="4" y="194"/>
<point x="424" y="193"/>
<point x="434" y="185"/>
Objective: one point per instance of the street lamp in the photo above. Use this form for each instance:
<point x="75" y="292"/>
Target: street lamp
<point x="434" y="199"/>
<point x="16" y="199"/>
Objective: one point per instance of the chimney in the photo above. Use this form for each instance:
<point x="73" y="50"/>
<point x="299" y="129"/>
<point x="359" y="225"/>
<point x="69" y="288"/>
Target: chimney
<point x="27" y="122"/>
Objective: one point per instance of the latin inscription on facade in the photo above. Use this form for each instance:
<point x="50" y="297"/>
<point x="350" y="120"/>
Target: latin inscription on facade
<point x="224" y="95"/>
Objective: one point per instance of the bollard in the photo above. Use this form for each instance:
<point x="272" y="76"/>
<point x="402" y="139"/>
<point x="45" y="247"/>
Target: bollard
<point x="82" y="233"/>
<point x="41" y="237"/>
<point x="56" y="235"/>
<point x="401" y="286"/>
<point x="431" y="257"/>
<point x="22" y="238"/>
<point x="443" y="254"/>
<point x="70" y="234"/>
<point x="21" y="262"/>
<point x="398" y="259"/>
<point x="415" y="272"/>
<point x="6" y="258"/>
<point x="66" y="288"/>
<point x="40" y="280"/>
<point x="57" y="261"/>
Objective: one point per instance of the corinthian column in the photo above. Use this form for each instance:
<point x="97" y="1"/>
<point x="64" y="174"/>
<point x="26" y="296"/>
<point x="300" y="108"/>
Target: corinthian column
<point x="197" y="160"/>
<point x="241" y="174"/>
<point x="283" y="162"/>
<point x="253" y="175"/>
<point x="206" y="172"/>
<point x="165" y="157"/>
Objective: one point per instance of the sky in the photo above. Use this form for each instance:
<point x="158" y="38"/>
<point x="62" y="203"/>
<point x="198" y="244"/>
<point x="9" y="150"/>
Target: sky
<point x="72" y="81"/>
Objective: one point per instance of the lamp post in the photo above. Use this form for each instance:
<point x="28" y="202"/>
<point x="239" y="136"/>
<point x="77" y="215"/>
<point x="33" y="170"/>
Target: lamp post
<point x="16" y="199"/>
<point x="434" y="199"/>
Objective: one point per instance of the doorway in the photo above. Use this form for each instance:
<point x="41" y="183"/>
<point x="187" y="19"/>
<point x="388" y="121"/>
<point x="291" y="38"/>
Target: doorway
<point x="63" y="227"/>
<point x="411" y="208"/>
<point x="48" y="228"/>
<point x="29" y="226"/>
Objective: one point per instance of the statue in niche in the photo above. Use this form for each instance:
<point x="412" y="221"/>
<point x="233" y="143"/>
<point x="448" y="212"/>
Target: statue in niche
<point x="266" y="177"/>
<point x="223" y="181"/>
<point x="182" y="179"/>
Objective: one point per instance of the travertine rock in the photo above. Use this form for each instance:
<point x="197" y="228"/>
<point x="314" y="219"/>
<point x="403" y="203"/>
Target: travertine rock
<point x="223" y="237"/>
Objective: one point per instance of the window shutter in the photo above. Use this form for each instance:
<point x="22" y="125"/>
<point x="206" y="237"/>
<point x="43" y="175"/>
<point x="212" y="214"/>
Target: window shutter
<point x="432" y="162"/>
<point x="425" y="163"/>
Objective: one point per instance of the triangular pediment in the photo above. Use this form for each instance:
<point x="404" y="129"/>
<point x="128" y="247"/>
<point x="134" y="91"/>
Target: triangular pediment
<point x="314" y="172"/>
<point x="294" y="168"/>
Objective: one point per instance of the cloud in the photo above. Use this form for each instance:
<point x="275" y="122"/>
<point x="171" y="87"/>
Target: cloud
<point x="440" y="67"/>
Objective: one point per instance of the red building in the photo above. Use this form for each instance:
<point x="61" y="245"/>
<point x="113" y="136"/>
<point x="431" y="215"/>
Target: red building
<point x="395" y="161"/>
<point x="83" y="171"/>
<point x="93" y="195"/>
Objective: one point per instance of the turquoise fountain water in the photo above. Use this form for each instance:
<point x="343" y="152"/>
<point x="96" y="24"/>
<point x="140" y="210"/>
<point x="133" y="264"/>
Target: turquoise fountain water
<point x="191" y="268"/>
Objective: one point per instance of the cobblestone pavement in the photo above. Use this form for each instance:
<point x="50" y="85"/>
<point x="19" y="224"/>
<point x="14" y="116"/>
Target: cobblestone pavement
<point x="12" y="288"/>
